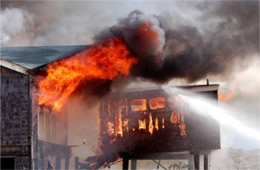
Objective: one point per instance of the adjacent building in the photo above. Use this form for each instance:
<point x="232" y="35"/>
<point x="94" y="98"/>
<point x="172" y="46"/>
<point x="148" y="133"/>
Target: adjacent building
<point x="32" y="137"/>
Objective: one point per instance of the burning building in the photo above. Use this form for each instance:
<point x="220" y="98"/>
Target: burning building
<point x="32" y="136"/>
<point x="150" y="124"/>
<point x="38" y="81"/>
<point x="134" y="124"/>
<point x="160" y="119"/>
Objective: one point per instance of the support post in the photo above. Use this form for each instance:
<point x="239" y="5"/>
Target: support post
<point x="57" y="163"/>
<point x="76" y="163"/>
<point x="206" y="162"/>
<point x="196" y="161"/>
<point x="125" y="163"/>
<point x="133" y="164"/>
<point x="67" y="160"/>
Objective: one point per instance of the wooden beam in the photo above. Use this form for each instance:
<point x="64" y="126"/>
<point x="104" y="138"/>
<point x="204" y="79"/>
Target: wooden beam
<point x="15" y="67"/>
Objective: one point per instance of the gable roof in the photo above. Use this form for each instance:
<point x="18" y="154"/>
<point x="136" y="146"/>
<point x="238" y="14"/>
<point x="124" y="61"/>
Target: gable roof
<point x="36" y="56"/>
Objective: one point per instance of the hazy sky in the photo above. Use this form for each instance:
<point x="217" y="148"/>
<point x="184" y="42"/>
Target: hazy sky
<point x="27" y="23"/>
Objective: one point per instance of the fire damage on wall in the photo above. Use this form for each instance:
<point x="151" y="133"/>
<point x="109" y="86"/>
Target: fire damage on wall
<point x="129" y="121"/>
<point x="150" y="121"/>
<point x="141" y="121"/>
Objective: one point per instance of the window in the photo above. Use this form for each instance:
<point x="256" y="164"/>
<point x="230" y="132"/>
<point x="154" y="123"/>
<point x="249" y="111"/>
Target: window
<point x="157" y="103"/>
<point x="7" y="163"/>
<point x="138" y="105"/>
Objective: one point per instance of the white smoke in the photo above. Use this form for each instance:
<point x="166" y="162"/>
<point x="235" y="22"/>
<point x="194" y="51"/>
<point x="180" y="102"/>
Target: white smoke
<point x="15" y="25"/>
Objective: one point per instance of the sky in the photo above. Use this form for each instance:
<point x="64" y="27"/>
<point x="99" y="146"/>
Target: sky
<point x="231" y="29"/>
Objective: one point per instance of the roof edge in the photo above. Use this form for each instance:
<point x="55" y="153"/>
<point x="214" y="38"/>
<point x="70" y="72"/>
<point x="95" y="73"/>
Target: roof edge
<point x="194" y="88"/>
<point x="201" y="88"/>
<point x="14" y="67"/>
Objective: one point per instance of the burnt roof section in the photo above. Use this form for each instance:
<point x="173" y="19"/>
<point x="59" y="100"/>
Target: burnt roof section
<point x="37" y="56"/>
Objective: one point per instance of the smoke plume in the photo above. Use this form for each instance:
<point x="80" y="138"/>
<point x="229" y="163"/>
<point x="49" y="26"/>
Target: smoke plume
<point x="167" y="51"/>
<point x="167" y="44"/>
<point x="19" y="27"/>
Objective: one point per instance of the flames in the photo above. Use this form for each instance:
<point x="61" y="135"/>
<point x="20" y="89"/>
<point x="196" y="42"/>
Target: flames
<point x="104" y="61"/>
<point x="157" y="103"/>
<point x="182" y="127"/>
<point x="224" y="97"/>
<point x="174" y="117"/>
<point x="110" y="129"/>
<point x="127" y="116"/>
<point x="151" y="126"/>
<point x="142" y="124"/>
<point x="118" y="122"/>
<point x="148" y="38"/>
<point x="117" y="128"/>
<point x="156" y="126"/>
<point x="138" y="105"/>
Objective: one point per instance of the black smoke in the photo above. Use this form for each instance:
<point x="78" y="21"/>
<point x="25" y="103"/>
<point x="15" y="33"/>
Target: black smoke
<point x="224" y="34"/>
<point x="228" y="32"/>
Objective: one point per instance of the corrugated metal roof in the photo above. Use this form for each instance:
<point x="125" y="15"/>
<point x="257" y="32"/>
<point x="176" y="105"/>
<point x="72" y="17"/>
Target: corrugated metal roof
<point x="36" y="56"/>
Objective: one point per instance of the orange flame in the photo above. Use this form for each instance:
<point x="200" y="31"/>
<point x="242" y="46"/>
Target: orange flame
<point x="156" y="123"/>
<point x="138" y="105"/>
<point x="157" y="103"/>
<point x="174" y="117"/>
<point x="163" y="123"/>
<point x="110" y="126"/>
<point x="118" y="122"/>
<point x="148" y="37"/>
<point x="142" y="124"/>
<point x="151" y="124"/>
<point x="103" y="61"/>
<point x="182" y="127"/>
<point x="125" y="125"/>
<point x="225" y="97"/>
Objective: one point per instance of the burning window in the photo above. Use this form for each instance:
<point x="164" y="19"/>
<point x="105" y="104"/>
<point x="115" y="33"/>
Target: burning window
<point x="151" y="118"/>
<point x="138" y="105"/>
<point x="157" y="103"/>
<point x="148" y="122"/>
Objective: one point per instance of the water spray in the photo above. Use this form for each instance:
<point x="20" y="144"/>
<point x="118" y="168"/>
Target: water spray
<point x="208" y="107"/>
